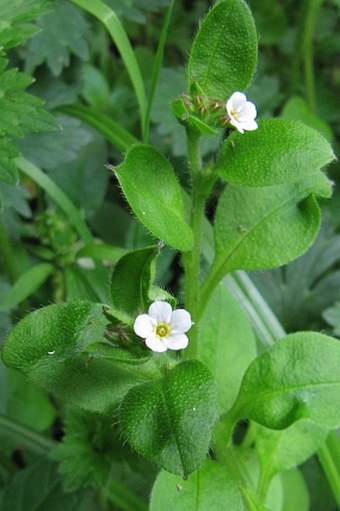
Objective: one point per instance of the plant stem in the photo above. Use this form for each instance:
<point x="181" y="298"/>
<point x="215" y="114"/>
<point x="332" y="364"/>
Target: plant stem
<point x="201" y="187"/>
<point x="6" y="255"/>
<point x="329" y="456"/>
<point x="304" y="51"/>
<point x="33" y="440"/>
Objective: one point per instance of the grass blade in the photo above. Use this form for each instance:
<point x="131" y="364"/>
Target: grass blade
<point x="116" y="30"/>
<point x="58" y="196"/>
<point x="157" y="65"/>
<point x="110" y="129"/>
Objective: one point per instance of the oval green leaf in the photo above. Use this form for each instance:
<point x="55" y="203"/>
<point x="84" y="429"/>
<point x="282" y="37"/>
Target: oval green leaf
<point x="279" y="151"/>
<point x="50" y="347"/>
<point x="169" y="420"/>
<point x="298" y="378"/>
<point x="212" y="487"/>
<point x="224" y="53"/>
<point x="131" y="280"/>
<point x="150" y="186"/>
<point x="258" y="228"/>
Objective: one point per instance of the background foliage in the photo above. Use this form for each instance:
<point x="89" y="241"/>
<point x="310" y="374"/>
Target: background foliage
<point x="68" y="108"/>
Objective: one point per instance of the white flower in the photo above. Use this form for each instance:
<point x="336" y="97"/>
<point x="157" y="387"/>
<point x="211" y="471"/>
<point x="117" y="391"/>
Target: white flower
<point x="162" y="328"/>
<point x="241" y="112"/>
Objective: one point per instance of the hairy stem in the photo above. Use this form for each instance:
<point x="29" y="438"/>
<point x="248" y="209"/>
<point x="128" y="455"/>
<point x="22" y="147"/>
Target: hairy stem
<point x="202" y="183"/>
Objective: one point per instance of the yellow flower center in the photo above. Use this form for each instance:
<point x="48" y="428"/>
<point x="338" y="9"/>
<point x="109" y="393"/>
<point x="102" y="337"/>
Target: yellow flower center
<point x="235" y="114"/>
<point x="162" y="330"/>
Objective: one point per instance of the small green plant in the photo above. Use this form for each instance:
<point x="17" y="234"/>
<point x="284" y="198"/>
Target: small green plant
<point x="179" y="375"/>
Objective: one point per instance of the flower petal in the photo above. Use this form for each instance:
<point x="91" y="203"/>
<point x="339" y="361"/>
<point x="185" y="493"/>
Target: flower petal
<point x="249" y="125"/>
<point x="237" y="125"/>
<point x="143" y="325"/>
<point x="155" y="344"/>
<point x="248" y="111"/>
<point x="180" y="321"/>
<point x="160" y="312"/>
<point x="176" y="342"/>
<point x="237" y="100"/>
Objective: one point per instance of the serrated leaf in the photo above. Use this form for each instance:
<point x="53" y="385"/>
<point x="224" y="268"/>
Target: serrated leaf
<point x="14" y="26"/>
<point x="224" y="53"/>
<point x="43" y="149"/>
<point x="258" y="228"/>
<point x="297" y="378"/>
<point x="211" y="487"/>
<point x="226" y="344"/>
<point x="20" y="111"/>
<point x="8" y="169"/>
<point x="149" y="184"/>
<point x="63" y="31"/>
<point x="132" y="279"/>
<point x="50" y="347"/>
<point x="298" y="303"/>
<point x="93" y="439"/>
<point x="169" y="420"/>
<point x="279" y="151"/>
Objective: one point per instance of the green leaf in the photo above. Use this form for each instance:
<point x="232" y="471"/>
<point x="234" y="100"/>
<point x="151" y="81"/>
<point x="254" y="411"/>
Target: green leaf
<point x="117" y="32"/>
<point x="79" y="285"/>
<point x="169" y="420"/>
<point x="43" y="149"/>
<point x="212" y="487"/>
<point x="64" y="31"/>
<point x="38" y="488"/>
<point x="298" y="303"/>
<point x="8" y="169"/>
<point x="14" y="26"/>
<point x="226" y="344"/>
<point x="186" y="118"/>
<point x="21" y="112"/>
<point x="131" y="280"/>
<point x="50" y="347"/>
<point x="279" y="151"/>
<point x="297" y="378"/>
<point x="156" y="69"/>
<point x="258" y="228"/>
<point x="26" y="284"/>
<point x="58" y="196"/>
<point x="111" y="130"/>
<point x="102" y="251"/>
<point x="297" y="108"/>
<point x="150" y="186"/>
<point x="283" y="450"/>
<point x="93" y="439"/>
<point x="224" y="54"/>
<point x="332" y="316"/>
<point x="295" y="491"/>
<point x="40" y="414"/>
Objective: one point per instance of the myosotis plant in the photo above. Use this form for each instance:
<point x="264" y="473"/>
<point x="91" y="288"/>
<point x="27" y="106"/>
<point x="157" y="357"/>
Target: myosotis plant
<point x="178" y="378"/>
